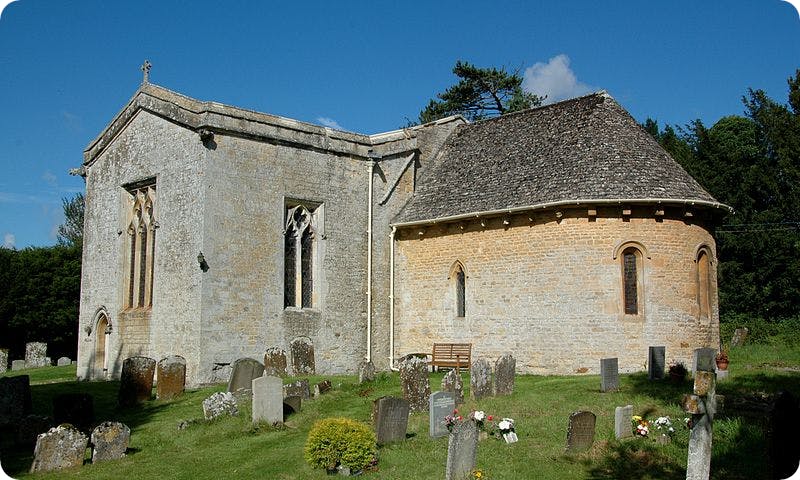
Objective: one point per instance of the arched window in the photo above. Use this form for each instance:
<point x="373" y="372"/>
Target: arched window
<point x="704" y="283"/>
<point x="631" y="276"/>
<point x="299" y="250"/>
<point x="141" y="240"/>
<point x="459" y="281"/>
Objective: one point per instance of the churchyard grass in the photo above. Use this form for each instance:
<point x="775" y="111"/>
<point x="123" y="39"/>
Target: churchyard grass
<point x="232" y="447"/>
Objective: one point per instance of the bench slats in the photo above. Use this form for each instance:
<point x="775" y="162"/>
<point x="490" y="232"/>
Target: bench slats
<point x="451" y="355"/>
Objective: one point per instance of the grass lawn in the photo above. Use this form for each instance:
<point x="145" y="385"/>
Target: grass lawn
<point x="231" y="447"/>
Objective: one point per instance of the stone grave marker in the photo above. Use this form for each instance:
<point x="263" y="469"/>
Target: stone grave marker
<point x="245" y="370"/>
<point x="299" y="388"/>
<point x="609" y="374"/>
<point x="171" y="377"/>
<point x="704" y="359"/>
<point x="656" y="362"/>
<point x="136" y="381"/>
<point x="622" y="421"/>
<point x="36" y="355"/>
<point x="63" y="361"/>
<point x="61" y="447"/>
<point x="415" y="383"/>
<point x="18" y="365"/>
<point x="302" y="351"/>
<point x="110" y="441"/>
<point x="15" y="398"/>
<point x="74" y="408"/>
<point x="391" y="419"/>
<point x="220" y="403"/>
<point x="291" y="404"/>
<point x="451" y="382"/>
<point x="268" y="400"/>
<point x="322" y="388"/>
<point x="275" y="362"/>
<point x="504" y="371"/>
<point x="580" y="432"/>
<point x="441" y="404"/>
<point x="30" y="426"/>
<point x="739" y="337"/>
<point x="480" y="379"/>
<point x="366" y="372"/>
<point x="462" y="451"/>
<point x="3" y="360"/>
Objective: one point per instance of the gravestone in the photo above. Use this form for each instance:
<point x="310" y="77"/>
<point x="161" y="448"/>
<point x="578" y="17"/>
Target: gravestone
<point x="36" y="355"/>
<point x="366" y="372"/>
<point x="622" y="421"/>
<point x="480" y="379"/>
<point x="15" y="398"/>
<point x="302" y="351"/>
<point x="462" y="451"/>
<point x="61" y="447"/>
<point x="655" y="363"/>
<point x="18" y="365"/>
<point x="110" y="441"/>
<point x="451" y="382"/>
<point x="299" y="388"/>
<point x="415" y="383"/>
<point x="74" y="408"/>
<point x="504" y="371"/>
<point x="704" y="359"/>
<point x="785" y="423"/>
<point x="245" y="370"/>
<point x="322" y="387"/>
<point x="391" y="419"/>
<point x="440" y="405"/>
<point x="171" y="377"/>
<point x="31" y="426"/>
<point x="609" y="374"/>
<point x="268" y="400"/>
<point x="136" y="381"/>
<point x="291" y="404"/>
<point x="580" y="432"/>
<point x="3" y="360"/>
<point x="63" y="361"/>
<point x="739" y="337"/>
<point x="702" y="405"/>
<point x="275" y="362"/>
<point x="221" y="403"/>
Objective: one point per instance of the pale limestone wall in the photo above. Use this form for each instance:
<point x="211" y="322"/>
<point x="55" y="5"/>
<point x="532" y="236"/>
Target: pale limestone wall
<point x="550" y="292"/>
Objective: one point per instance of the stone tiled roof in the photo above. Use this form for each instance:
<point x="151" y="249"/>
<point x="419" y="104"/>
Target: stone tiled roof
<point x="577" y="151"/>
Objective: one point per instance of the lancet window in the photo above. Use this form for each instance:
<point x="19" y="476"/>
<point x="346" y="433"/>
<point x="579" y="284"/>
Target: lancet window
<point x="141" y="244"/>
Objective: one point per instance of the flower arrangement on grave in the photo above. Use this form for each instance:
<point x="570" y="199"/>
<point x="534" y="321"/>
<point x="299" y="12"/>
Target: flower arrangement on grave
<point x="484" y="422"/>
<point x="506" y="427"/>
<point x="641" y="426"/>
<point x="722" y="360"/>
<point x="664" y="426"/>
<point x="450" y="420"/>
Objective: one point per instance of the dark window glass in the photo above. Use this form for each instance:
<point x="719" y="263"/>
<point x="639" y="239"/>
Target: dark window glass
<point x="289" y="269"/>
<point x="630" y="283"/>
<point x="460" y="293"/>
<point x="306" y="249"/>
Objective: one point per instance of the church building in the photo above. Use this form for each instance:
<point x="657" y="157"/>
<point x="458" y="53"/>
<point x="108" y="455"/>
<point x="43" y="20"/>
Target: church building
<point x="562" y="234"/>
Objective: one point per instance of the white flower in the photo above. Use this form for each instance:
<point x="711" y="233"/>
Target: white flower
<point x="479" y="416"/>
<point x="506" y="424"/>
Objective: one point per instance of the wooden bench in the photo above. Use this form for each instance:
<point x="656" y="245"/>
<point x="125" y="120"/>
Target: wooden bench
<point x="451" y="355"/>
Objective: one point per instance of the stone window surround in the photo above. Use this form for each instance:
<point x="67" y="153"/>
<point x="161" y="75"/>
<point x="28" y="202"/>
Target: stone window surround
<point x="459" y="297"/>
<point x="704" y="295"/>
<point x="139" y="249"/>
<point x="315" y="227"/>
<point x="638" y="249"/>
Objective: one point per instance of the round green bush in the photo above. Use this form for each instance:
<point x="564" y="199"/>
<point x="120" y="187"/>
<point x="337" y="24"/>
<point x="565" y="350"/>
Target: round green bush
<point x="340" y="441"/>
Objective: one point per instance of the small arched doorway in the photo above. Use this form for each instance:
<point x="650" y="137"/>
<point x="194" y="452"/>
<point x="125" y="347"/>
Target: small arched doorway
<point x="103" y="330"/>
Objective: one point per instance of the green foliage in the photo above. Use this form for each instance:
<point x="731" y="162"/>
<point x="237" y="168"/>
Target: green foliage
<point x="71" y="231"/>
<point x="760" y="331"/>
<point x="480" y="93"/>
<point x="340" y="441"/>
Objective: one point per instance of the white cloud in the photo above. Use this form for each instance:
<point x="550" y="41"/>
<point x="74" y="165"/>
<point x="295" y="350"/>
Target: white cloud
<point x="49" y="178"/>
<point x="554" y="79"/>
<point x="9" y="240"/>
<point x="330" y="123"/>
<point x="71" y="121"/>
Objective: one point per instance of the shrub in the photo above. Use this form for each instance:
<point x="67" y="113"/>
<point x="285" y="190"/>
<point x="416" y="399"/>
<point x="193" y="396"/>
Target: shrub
<point x="340" y="441"/>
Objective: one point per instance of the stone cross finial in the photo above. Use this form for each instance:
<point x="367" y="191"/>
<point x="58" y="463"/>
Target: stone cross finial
<point x="146" y="71"/>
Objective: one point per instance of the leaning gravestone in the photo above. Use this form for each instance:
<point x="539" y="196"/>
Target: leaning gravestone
<point x="580" y="433"/>
<point x="391" y="419"/>
<point x="655" y="363"/>
<point x="451" y="382"/>
<point x="704" y="359"/>
<point x="302" y="351"/>
<point x="74" y="408"/>
<point x="18" y="365"/>
<point x="268" y="400"/>
<point x="622" y="421"/>
<point x="739" y="337"/>
<point x="609" y="374"/>
<point x="110" y="441"/>
<point x="221" y="403"/>
<point x="36" y="355"/>
<point x="366" y="373"/>
<point x="504" y="370"/>
<point x="63" y="361"/>
<point x="322" y="388"/>
<point x="245" y="370"/>
<point x="462" y="450"/>
<point x="171" y="377"/>
<point x="15" y="398"/>
<point x="299" y="388"/>
<point x="61" y="447"/>
<point x="136" y="381"/>
<point x="441" y="404"/>
<point x="3" y="360"/>
<point x="275" y="362"/>
<point x="415" y="383"/>
<point x="480" y="379"/>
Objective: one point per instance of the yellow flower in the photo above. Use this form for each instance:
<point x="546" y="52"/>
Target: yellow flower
<point x="636" y="418"/>
<point x="477" y="473"/>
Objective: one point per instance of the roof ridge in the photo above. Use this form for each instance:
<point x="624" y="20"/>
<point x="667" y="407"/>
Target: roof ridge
<point x="599" y="93"/>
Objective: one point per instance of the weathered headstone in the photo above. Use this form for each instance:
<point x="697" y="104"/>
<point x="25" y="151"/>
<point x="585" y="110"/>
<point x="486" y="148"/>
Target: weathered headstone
<point x="784" y="423"/>
<point x="299" y="388"/>
<point x="622" y="421"/>
<point x="61" y="447"/>
<point x="221" y="403"/>
<point x="36" y="355"/>
<point x="18" y="365"/>
<point x="580" y="433"/>
<point x="462" y="451"/>
<point x="704" y="359"/>
<point x="451" y="382"/>
<point x="322" y="388"/>
<point x="3" y="360"/>
<point x="74" y="408"/>
<point x="480" y="379"/>
<point x="415" y="383"/>
<point x="702" y="405"/>
<point x="391" y="419"/>
<point x="136" y="381"/>
<point x="63" y="361"/>
<point x="302" y="351"/>
<point x="609" y="374"/>
<point x="31" y="426"/>
<point x="366" y="372"/>
<point x="275" y="362"/>
<point x="171" y="377"/>
<point x="739" y="337"/>
<point x="504" y="371"/>
<point x="245" y="370"/>
<point x="268" y="400"/>
<point x="291" y="404"/>
<point x="15" y="398"/>
<point x="655" y="363"/>
<point x="441" y="404"/>
<point x="110" y="441"/>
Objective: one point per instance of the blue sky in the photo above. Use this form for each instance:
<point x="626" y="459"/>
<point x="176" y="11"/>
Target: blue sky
<point x="66" y="68"/>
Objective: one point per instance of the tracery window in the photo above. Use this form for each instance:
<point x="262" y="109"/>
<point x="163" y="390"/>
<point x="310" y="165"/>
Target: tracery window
<point x="141" y="244"/>
<point x="300" y="237"/>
